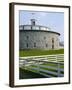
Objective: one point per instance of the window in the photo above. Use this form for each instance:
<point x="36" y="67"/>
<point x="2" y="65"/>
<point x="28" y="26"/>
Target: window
<point x="52" y="43"/>
<point x="42" y="28"/>
<point x="44" y="37"/>
<point x="52" y="40"/>
<point x="27" y="45"/>
<point x="27" y="27"/>
<point x="46" y="45"/>
<point x="21" y="27"/>
<point x="34" y="44"/>
<point x="33" y="22"/>
<point x="27" y="37"/>
<point x="52" y="46"/>
<point x="35" y="27"/>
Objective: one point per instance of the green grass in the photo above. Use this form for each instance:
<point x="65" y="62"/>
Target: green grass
<point x="29" y="73"/>
<point x="50" y="64"/>
<point x="53" y="65"/>
<point x="49" y="69"/>
<point x="33" y="52"/>
<point x="26" y="74"/>
<point x="45" y="68"/>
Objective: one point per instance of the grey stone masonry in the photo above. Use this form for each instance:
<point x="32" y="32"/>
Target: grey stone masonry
<point x="38" y="39"/>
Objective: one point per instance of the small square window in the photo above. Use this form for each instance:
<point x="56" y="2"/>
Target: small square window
<point x="52" y="40"/>
<point x="27" y="45"/>
<point x="27" y="37"/>
<point x="34" y="44"/>
<point x="46" y="45"/>
<point x="44" y="37"/>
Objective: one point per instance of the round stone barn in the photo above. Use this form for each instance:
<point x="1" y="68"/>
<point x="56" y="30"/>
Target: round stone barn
<point x="37" y="37"/>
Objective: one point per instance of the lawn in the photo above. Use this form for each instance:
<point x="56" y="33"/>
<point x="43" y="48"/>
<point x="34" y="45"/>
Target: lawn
<point x="26" y="74"/>
<point x="55" y="65"/>
<point x="31" y="72"/>
<point x="34" y="52"/>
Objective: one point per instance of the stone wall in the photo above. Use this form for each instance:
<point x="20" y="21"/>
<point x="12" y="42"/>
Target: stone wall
<point x="38" y="40"/>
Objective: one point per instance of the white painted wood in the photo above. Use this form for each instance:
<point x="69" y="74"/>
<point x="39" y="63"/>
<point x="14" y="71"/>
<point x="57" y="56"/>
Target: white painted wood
<point x="39" y="67"/>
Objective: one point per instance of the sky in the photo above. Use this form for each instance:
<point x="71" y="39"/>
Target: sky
<point x="53" y="20"/>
